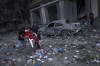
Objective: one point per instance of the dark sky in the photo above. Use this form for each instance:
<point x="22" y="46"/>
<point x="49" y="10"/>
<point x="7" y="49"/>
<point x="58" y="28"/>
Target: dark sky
<point x="10" y="8"/>
<point x="7" y="4"/>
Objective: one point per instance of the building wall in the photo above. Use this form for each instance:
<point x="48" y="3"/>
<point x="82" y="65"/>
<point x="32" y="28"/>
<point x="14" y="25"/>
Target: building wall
<point x="66" y="9"/>
<point x="70" y="10"/>
<point x="99" y="8"/>
<point x="94" y="7"/>
<point x="97" y="12"/>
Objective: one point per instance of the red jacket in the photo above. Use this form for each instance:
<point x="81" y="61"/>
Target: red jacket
<point x="30" y="36"/>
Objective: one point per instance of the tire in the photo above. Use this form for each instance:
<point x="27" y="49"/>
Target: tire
<point x="65" y="33"/>
<point x="42" y="34"/>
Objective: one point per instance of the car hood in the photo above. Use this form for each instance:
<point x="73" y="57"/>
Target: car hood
<point x="42" y="28"/>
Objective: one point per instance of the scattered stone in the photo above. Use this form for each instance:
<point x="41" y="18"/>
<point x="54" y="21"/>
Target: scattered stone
<point x="66" y="62"/>
<point x="61" y="50"/>
<point x="38" y="64"/>
<point x="98" y="45"/>
<point x="81" y="46"/>
<point x="50" y="59"/>
<point x="29" y="61"/>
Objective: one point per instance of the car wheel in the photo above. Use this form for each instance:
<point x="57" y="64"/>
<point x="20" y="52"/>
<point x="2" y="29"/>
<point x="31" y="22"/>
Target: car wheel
<point x="65" y="33"/>
<point x="42" y="34"/>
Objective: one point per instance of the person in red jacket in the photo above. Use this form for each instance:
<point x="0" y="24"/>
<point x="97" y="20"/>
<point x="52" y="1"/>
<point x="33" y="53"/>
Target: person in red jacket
<point x="32" y="38"/>
<point x="29" y="35"/>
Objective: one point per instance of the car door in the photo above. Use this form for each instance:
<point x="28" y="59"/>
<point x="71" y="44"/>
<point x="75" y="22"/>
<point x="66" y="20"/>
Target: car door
<point x="50" y="29"/>
<point x="58" y="27"/>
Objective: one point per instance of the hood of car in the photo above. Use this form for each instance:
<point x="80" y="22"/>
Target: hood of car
<point x="42" y="28"/>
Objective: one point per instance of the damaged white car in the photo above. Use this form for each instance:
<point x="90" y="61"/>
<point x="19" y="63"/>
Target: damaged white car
<point x="60" y="27"/>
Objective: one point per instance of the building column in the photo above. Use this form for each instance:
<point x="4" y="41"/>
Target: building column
<point x="87" y="6"/>
<point x="70" y="10"/>
<point x="61" y="8"/>
<point x="98" y="8"/>
<point x="43" y="15"/>
<point x="66" y="6"/>
<point x="74" y="10"/>
<point x="94" y="7"/>
<point x="31" y="18"/>
<point x="91" y="5"/>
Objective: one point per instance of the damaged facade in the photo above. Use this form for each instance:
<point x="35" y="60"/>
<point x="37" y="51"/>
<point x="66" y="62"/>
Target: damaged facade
<point x="45" y="11"/>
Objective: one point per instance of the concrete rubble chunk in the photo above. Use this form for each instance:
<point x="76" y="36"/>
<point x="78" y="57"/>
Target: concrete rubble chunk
<point x="98" y="44"/>
<point x="66" y="62"/>
<point x="29" y="61"/>
<point x="50" y="59"/>
<point x="61" y="50"/>
<point x="38" y="64"/>
<point x="80" y="46"/>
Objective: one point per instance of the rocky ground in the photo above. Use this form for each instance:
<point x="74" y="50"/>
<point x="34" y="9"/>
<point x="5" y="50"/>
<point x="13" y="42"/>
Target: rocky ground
<point x="80" y="50"/>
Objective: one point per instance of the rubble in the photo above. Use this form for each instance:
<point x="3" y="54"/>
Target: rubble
<point x="29" y="61"/>
<point x="66" y="62"/>
<point x="61" y="50"/>
<point x="53" y="52"/>
<point x="38" y="64"/>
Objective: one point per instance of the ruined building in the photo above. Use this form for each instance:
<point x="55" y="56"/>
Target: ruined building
<point x="45" y="11"/>
<point x="13" y="13"/>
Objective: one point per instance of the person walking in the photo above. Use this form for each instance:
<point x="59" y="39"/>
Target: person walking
<point x="91" y="20"/>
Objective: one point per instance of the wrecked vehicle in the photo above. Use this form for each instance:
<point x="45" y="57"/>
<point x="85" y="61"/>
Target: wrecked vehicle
<point x="60" y="27"/>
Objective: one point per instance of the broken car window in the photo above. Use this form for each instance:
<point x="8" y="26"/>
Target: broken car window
<point x="51" y="25"/>
<point x="58" y="25"/>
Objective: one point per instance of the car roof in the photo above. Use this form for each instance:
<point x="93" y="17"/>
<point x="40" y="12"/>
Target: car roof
<point x="63" y="21"/>
<point x="59" y="21"/>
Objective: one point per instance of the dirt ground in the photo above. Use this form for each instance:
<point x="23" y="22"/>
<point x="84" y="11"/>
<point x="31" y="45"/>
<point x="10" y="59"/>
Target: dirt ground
<point x="80" y="50"/>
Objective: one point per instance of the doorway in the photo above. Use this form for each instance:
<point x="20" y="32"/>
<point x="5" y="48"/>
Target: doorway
<point x="81" y="9"/>
<point x="52" y="12"/>
<point x="37" y="17"/>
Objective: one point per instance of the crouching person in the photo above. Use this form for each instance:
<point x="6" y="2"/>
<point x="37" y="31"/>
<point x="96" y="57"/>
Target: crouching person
<point x="36" y="34"/>
<point x="36" y="40"/>
<point x="21" y="38"/>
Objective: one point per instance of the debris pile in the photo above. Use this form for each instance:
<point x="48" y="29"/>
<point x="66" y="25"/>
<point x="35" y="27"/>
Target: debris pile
<point x="53" y="52"/>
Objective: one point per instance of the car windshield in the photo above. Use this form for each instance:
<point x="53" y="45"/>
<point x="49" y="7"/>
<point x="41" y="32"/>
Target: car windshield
<point x="58" y="24"/>
<point x="51" y="25"/>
